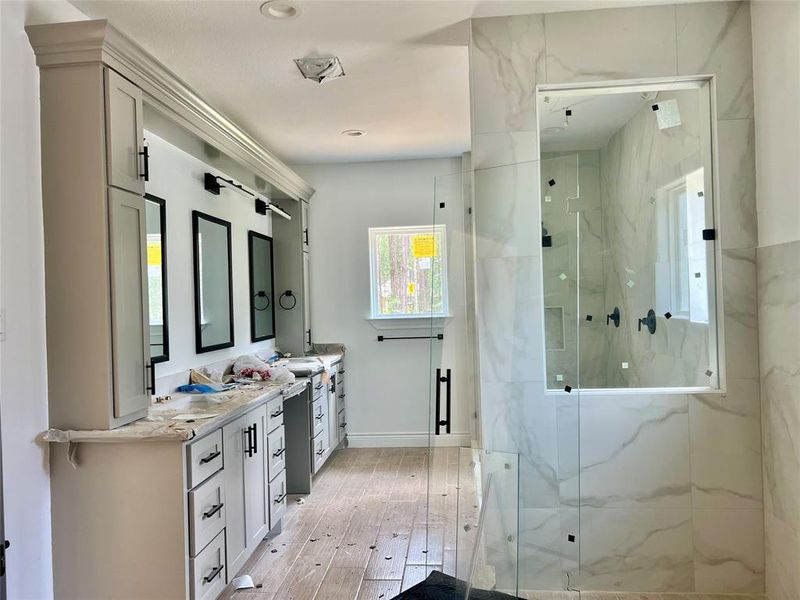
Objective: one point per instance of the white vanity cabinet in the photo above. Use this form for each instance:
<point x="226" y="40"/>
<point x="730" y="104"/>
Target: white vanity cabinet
<point x="245" y="485"/>
<point x="187" y="514"/>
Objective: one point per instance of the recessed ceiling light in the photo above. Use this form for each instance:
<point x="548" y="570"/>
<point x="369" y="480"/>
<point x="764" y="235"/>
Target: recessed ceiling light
<point x="353" y="132"/>
<point x="279" y="9"/>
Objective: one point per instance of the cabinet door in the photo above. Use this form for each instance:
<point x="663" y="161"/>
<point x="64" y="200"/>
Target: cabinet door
<point x="234" y="444"/>
<point x="255" y="479"/>
<point x="130" y="335"/>
<point x="124" y="133"/>
<point x="306" y="302"/>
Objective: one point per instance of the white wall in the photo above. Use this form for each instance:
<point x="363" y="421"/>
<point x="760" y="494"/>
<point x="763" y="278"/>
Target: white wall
<point x="387" y="382"/>
<point x="776" y="83"/>
<point x="23" y="369"/>
<point x="177" y="177"/>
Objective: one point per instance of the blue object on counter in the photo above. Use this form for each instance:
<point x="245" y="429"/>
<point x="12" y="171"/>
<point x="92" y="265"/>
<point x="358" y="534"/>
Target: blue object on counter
<point x="203" y="388"/>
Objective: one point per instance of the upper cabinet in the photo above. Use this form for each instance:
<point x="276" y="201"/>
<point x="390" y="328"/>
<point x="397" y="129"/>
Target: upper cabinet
<point x="127" y="156"/>
<point x="94" y="83"/>
<point x="130" y="327"/>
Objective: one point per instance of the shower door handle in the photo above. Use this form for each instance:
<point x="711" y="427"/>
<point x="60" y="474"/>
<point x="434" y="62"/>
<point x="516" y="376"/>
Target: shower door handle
<point x="439" y="381"/>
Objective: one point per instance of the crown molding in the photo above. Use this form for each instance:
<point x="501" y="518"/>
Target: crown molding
<point x="97" y="41"/>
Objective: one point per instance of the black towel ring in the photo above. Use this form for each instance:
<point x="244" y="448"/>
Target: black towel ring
<point x="288" y="294"/>
<point x="265" y="296"/>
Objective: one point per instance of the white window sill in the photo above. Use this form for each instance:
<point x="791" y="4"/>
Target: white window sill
<point x="418" y="322"/>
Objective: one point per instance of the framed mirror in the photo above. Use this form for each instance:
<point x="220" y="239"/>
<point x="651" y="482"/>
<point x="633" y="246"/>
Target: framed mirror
<point x="262" y="283"/>
<point x="213" y="283"/>
<point x="156" y="217"/>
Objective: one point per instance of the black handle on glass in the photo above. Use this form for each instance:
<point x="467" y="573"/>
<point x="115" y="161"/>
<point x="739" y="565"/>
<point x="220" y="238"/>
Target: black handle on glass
<point x="213" y="510"/>
<point x="438" y="398"/>
<point x="207" y="459"/>
<point x="214" y="573"/>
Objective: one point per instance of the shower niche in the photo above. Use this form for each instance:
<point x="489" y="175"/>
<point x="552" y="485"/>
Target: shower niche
<point x="629" y="240"/>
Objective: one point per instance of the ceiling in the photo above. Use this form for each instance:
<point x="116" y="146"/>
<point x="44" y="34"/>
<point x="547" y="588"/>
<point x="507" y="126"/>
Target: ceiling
<point x="594" y="119"/>
<point x="407" y="82"/>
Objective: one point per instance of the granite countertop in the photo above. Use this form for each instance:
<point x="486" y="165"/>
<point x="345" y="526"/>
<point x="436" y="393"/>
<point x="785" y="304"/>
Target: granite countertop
<point x="184" y="416"/>
<point x="187" y="416"/>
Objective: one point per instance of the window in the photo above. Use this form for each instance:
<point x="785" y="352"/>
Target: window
<point x="681" y="271"/>
<point x="408" y="273"/>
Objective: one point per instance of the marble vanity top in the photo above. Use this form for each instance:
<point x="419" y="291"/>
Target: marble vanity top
<point x="187" y="416"/>
<point x="184" y="416"/>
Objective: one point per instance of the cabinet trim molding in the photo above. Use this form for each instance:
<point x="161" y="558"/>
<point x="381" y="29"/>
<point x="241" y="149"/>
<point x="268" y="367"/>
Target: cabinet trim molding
<point x="97" y="40"/>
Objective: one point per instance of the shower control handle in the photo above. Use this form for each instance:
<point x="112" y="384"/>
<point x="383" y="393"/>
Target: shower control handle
<point x="614" y="317"/>
<point x="649" y="321"/>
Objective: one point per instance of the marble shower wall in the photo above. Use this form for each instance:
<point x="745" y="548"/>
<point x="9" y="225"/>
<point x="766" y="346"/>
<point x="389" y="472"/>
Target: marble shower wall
<point x="571" y="212"/>
<point x="779" y="321"/>
<point x="671" y="499"/>
<point x="637" y="162"/>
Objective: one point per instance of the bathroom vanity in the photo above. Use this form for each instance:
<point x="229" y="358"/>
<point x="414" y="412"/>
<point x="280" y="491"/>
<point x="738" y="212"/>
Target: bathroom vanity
<point x="173" y="506"/>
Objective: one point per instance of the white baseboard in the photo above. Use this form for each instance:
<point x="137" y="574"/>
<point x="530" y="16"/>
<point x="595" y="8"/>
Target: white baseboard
<point x="407" y="440"/>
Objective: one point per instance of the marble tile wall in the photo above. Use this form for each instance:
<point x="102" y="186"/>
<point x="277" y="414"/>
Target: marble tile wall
<point x="779" y="331"/>
<point x="672" y="500"/>
<point x="638" y="161"/>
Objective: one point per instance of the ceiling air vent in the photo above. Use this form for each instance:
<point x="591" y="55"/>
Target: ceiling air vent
<point x="320" y="68"/>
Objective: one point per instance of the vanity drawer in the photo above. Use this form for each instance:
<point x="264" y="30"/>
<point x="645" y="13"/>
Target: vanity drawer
<point x="277" y="499"/>
<point x="319" y="412"/>
<point x="208" y="571"/>
<point x="206" y="513"/>
<point x="321" y="449"/>
<point x="317" y="387"/>
<point x="276" y="448"/>
<point x="274" y="413"/>
<point x="205" y="458"/>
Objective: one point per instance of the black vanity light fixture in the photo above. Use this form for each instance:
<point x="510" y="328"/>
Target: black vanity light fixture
<point x="214" y="183"/>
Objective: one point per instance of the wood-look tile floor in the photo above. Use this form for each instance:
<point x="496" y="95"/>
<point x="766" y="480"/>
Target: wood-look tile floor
<point x="362" y="535"/>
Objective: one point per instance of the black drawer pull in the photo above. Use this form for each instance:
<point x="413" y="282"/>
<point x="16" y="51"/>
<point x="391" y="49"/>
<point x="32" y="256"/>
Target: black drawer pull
<point x="280" y="498"/>
<point x="341" y="396"/>
<point x="318" y="386"/>
<point x="210" y="457"/>
<point x="343" y="425"/>
<point x="277" y="453"/>
<point x="320" y="452"/>
<point x="214" y="510"/>
<point x="213" y="575"/>
<point x="277" y="413"/>
<point x="319" y="417"/>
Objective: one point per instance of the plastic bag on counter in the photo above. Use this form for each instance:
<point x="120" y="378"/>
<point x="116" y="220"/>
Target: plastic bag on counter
<point x="281" y="374"/>
<point x="249" y="362"/>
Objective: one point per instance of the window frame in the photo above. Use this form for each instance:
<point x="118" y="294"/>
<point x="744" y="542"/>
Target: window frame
<point x="373" y="289"/>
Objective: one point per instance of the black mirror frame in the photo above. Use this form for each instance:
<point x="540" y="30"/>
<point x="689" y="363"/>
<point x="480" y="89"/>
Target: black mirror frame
<point x="198" y="339"/>
<point x="162" y="212"/>
<point x="251" y="236"/>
